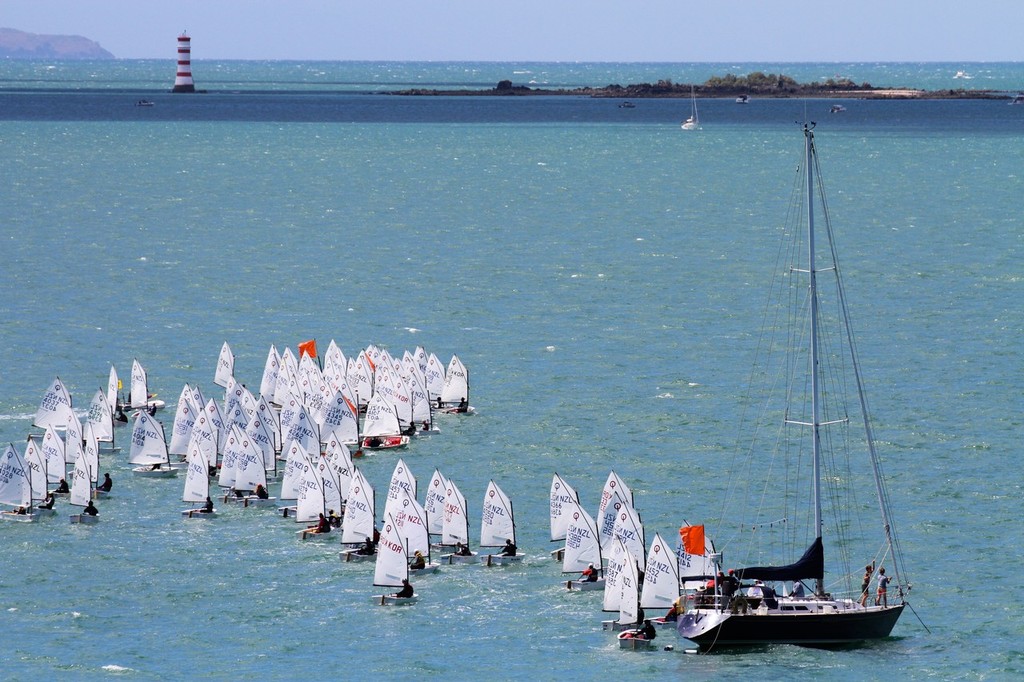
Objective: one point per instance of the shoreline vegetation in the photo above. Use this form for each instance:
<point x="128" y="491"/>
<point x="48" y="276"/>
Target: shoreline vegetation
<point x="755" y="84"/>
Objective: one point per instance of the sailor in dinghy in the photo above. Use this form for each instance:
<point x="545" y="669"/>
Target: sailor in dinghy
<point x="392" y="567"/>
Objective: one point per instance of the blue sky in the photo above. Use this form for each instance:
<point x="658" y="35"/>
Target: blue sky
<point x="540" y="30"/>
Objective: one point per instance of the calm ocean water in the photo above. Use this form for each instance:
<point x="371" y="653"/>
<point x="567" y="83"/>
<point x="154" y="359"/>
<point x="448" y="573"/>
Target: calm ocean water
<point x="588" y="264"/>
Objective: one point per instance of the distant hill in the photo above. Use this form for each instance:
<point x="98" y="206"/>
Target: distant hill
<point x="20" y="45"/>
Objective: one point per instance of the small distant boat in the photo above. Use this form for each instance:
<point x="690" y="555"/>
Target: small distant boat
<point x="692" y="123"/>
<point x="742" y="99"/>
<point x="627" y="105"/>
<point x="144" y="103"/>
<point x="1017" y="99"/>
<point x="963" y="74"/>
<point x="836" y="108"/>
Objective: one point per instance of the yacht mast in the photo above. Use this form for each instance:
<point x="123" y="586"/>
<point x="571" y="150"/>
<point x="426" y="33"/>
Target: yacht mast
<point x="819" y="586"/>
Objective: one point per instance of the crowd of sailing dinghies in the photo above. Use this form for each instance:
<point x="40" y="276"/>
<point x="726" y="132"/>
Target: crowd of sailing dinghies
<point x="302" y="428"/>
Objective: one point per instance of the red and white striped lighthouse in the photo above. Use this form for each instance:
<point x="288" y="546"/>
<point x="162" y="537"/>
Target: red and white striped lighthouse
<point x="183" y="78"/>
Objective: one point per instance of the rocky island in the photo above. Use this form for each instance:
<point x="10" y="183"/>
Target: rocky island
<point x="756" y="84"/>
<point x="21" y="45"/>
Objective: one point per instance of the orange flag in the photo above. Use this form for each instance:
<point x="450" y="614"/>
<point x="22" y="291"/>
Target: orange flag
<point x="308" y="347"/>
<point x="693" y="539"/>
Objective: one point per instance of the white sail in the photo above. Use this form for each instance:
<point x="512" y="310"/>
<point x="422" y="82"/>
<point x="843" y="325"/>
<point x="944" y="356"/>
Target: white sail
<point x="340" y="458"/>
<point x="286" y="385"/>
<point x="340" y="419"/>
<point x="35" y="461"/>
<point x="616" y="562"/>
<point x="72" y="440"/>
<point x="140" y="386"/>
<point x="237" y="404"/>
<point x="272" y="421"/>
<point x="381" y="418"/>
<point x="225" y="371"/>
<point x="360" y="378"/>
<point x="15" y="479"/>
<point x="81" y="484"/>
<point x="270" y="369"/>
<point x="433" y="502"/>
<point x="217" y="424"/>
<point x="614" y="484"/>
<point x="606" y="521"/>
<point x="91" y="451"/>
<point x="661" y="576"/>
<point x="434" y="374"/>
<point x="184" y="422"/>
<point x="311" y="501"/>
<point x="392" y="566"/>
<point x="261" y="435"/>
<point x="401" y="479"/>
<point x="564" y="500"/>
<point x="411" y="520"/>
<point x="456" y="382"/>
<point x="53" y="449"/>
<point x="113" y="388"/>
<point x="205" y="436"/>
<point x="295" y="466"/>
<point x="297" y="425"/>
<point x="233" y="452"/>
<point x="358" y="523"/>
<point x="497" y="523"/>
<point x="582" y="542"/>
<point x="101" y="417"/>
<point x="250" y="470"/>
<point x="329" y="480"/>
<point x="455" y="528"/>
<point x="630" y="529"/>
<point x="422" y="415"/>
<point x="197" y="475"/>
<point x="55" y="407"/>
<point x="629" y="580"/>
<point x="148" y="446"/>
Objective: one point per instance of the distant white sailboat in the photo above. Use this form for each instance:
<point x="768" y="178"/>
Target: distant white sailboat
<point x="693" y="122"/>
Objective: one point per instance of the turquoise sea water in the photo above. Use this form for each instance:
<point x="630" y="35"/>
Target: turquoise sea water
<point x="587" y="263"/>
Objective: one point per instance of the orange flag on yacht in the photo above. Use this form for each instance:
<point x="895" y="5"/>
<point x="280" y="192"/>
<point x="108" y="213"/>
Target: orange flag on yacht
<point x="693" y="539"/>
<point x="308" y="347"/>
